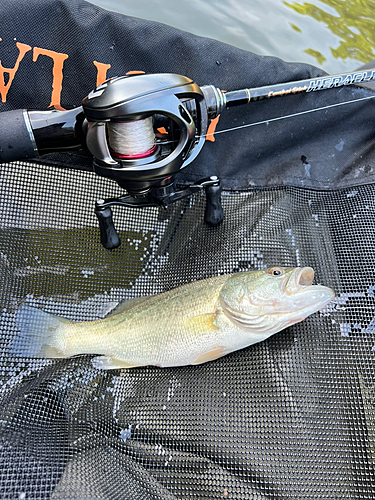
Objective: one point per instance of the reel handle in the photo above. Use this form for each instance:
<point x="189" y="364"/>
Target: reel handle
<point x="161" y="196"/>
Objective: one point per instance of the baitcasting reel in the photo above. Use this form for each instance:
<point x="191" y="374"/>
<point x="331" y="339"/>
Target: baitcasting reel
<point x="142" y="130"/>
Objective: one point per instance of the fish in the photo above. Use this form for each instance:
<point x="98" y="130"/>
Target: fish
<point x="189" y="325"/>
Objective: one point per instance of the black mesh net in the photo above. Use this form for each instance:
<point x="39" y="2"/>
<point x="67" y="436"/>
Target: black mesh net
<point x="291" y="417"/>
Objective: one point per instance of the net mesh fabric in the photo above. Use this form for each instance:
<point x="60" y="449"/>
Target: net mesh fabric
<point x="291" y="417"/>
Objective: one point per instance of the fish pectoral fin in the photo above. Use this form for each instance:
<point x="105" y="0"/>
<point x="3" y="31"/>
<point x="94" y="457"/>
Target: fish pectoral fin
<point x="205" y="322"/>
<point x="215" y="353"/>
<point x="109" y="363"/>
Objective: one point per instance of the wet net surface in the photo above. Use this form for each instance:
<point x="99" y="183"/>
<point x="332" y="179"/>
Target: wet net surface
<point x="291" y="417"/>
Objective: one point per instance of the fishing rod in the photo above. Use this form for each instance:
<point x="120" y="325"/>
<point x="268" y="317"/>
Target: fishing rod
<point x="140" y="131"/>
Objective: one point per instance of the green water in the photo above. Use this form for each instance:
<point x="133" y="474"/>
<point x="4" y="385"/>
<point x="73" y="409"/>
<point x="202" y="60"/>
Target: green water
<point x="335" y="35"/>
<point x="69" y="265"/>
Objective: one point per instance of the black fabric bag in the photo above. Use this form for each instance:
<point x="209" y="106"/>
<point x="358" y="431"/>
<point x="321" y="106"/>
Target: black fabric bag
<point x="291" y="417"/>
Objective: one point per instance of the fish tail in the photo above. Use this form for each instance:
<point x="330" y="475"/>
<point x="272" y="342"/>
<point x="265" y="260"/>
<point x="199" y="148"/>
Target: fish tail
<point x="41" y="335"/>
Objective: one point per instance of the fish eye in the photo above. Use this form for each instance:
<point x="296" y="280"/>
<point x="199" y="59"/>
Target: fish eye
<point x="276" y="271"/>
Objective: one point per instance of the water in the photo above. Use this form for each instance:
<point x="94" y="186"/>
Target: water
<point x="335" y="35"/>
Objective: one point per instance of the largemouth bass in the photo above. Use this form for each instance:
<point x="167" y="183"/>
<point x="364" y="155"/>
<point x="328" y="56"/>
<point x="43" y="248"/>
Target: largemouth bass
<point x="189" y="325"/>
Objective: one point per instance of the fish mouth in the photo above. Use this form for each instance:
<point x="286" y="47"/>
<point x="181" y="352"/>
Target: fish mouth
<point x="299" y="279"/>
<point x="304" y="295"/>
<point x="305" y="276"/>
<point x="315" y="297"/>
<point x="311" y="298"/>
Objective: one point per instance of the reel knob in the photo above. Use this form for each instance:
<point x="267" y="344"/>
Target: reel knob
<point x="108" y="234"/>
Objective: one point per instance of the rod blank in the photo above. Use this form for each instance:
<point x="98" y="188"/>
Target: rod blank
<point x="237" y="97"/>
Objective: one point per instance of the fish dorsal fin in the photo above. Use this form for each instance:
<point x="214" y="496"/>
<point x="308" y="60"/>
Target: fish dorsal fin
<point x="126" y="305"/>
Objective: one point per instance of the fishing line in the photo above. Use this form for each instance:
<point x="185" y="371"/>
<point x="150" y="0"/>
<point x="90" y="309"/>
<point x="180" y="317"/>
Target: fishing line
<point x="288" y="116"/>
<point x="136" y="134"/>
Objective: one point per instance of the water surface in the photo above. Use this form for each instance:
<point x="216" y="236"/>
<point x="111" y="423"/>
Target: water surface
<point x="336" y="35"/>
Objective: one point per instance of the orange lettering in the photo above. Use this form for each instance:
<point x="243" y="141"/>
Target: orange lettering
<point x="57" y="73"/>
<point x="101" y="74"/>
<point x="211" y="129"/>
<point x="22" y="49"/>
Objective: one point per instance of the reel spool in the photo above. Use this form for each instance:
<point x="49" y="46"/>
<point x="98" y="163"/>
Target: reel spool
<point x="143" y="129"/>
<point x="132" y="140"/>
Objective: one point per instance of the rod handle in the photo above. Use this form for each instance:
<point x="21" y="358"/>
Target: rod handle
<point x="16" y="137"/>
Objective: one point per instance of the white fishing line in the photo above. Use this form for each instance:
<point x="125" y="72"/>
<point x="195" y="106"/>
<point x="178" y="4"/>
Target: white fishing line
<point x="131" y="138"/>
<point x="289" y="116"/>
